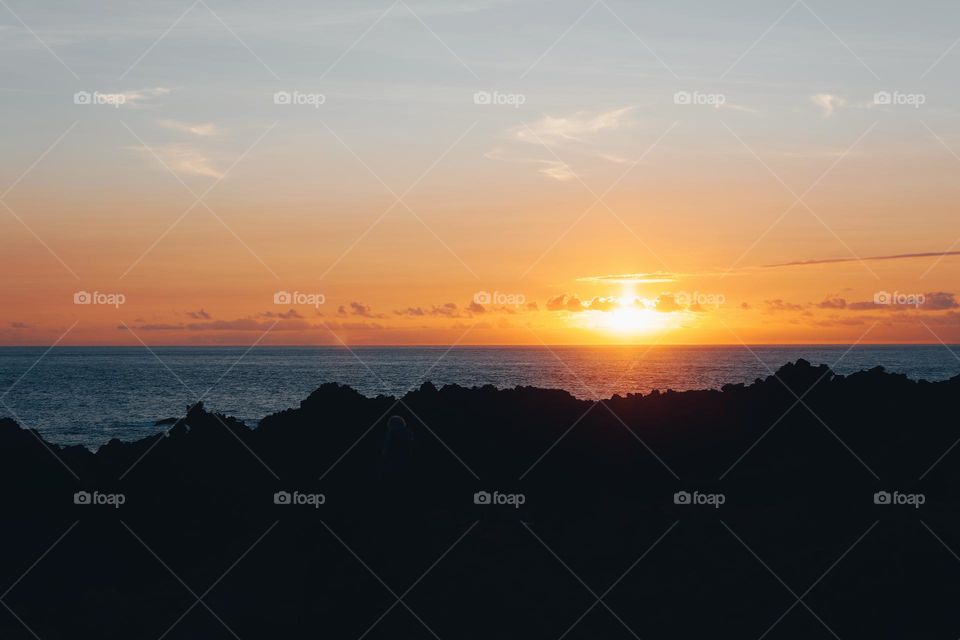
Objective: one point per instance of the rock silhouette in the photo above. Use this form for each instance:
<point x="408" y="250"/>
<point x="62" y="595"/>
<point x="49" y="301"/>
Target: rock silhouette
<point x="804" y="505"/>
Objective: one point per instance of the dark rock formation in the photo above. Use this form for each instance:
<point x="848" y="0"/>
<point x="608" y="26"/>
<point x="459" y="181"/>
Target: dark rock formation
<point x="512" y="512"/>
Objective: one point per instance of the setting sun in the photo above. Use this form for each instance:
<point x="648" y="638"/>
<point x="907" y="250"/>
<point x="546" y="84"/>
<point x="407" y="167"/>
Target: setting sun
<point x="626" y="316"/>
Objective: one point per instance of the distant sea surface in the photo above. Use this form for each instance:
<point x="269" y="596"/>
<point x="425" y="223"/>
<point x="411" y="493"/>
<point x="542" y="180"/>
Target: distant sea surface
<point x="89" y="395"/>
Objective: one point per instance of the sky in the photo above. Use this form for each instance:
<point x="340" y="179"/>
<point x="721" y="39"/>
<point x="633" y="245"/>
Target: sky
<point x="479" y="172"/>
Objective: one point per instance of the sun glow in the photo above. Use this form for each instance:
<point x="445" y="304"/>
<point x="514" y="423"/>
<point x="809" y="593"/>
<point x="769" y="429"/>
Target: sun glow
<point x="627" y="315"/>
<point x="633" y="319"/>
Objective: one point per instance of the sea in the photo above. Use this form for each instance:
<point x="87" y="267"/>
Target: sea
<point x="90" y="395"/>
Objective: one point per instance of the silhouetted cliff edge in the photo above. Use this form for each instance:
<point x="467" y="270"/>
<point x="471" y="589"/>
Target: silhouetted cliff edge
<point x="702" y="512"/>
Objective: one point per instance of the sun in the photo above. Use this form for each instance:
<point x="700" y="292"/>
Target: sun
<point x="627" y="315"/>
<point x="633" y="319"/>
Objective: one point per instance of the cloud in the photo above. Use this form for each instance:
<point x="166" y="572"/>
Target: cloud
<point x="183" y="158"/>
<point x="861" y="306"/>
<point x="249" y="324"/>
<point x="135" y="97"/>
<point x="20" y="325"/>
<point x="570" y="128"/>
<point x="828" y="103"/>
<point x="602" y="304"/>
<point x="839" y="321"/>
<point x="739" y="107"/>
<point x="358" y="309"/>
<point x="929" y="301"/>
<point x="939" y="300"/>
<point x="667" y="303"/>
<point x="452" y="310"/>
<point x="613" y="158"/>
<point x="832" y="303"/>
<point x="355" y="326"/>
<point x="410" y="311"/>
<point x="202" y="130"/>
<point x="140" y="95"/>
<point x="632" y="278"/>
<point x="897" y="256"/>
<point x="292" y="314"/>
<point x="779" y="306"/>
<point x="290" y="320"/>
<point x="446" y="310"/>
<point x="552" y="168"/>
<point x="557" y="170"/>
<point x="565" y="303"/>
<point x="147" y="326"/>
<point x="551" y="130"/>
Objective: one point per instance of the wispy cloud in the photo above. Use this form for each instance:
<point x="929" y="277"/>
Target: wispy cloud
<point x="571" y="128"/>
<point x="358" y="309"/>
<point x="828" y="102"/>
<point x="137" y="97"/>
<point x="739" y="107"/>
<point x="553" y="169"/>
<point x="634" y="278"/>
<point x="898" y="256"/>
<point x="183" y="158"/>
<point x="202" y="130"/>
<point x="557" y="170"/>
<point x="575" y="129"/>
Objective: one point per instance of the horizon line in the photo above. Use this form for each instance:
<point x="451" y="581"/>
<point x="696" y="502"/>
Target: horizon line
<point x="485" y="346"/>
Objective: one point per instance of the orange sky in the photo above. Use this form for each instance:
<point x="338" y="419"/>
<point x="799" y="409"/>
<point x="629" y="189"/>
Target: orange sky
<point x="403" y="198"/>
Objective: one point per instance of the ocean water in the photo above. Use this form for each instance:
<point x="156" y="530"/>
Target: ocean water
<point x="88" y="395"/>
